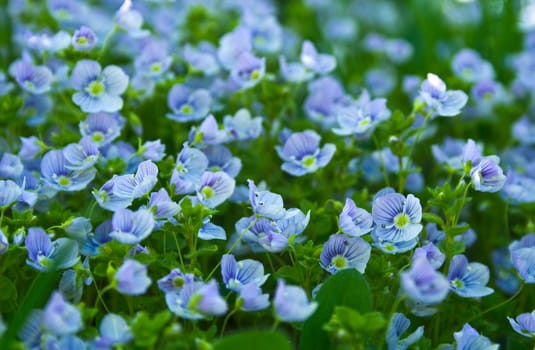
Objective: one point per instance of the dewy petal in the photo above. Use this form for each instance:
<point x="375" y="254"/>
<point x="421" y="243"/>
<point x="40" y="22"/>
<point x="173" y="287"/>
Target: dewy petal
<point x="84" y="72"/>
<point x="115" y="80"/>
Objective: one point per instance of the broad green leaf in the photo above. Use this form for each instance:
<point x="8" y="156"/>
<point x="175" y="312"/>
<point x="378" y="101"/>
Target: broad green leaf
<point x="257" y="340"/>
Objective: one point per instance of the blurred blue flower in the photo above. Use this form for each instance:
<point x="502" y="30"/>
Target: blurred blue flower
<point x="9" y="193"/>
<point x="60" y="317"/>
<point x="252" y="298"/>
<point x="523" y="257"/>
<point x="208" y="133"/>
<point x="316" y="62"/>
<point x="220" y="159"/>
<point x="342" y="252"/>
<point x="202" y="58"/>
<point x="196" y="300"/>
<point x="248" y="71"/>
<point x="291" y="303"/>
<point x="131" y="227"/>
<point x="161" y="205"/>
<point x="232" y="45"/>
<point x="470" y="67"/>
<point x="113" y="331"/>
<point x="175" y="281"/>
<point x="423" y="283"/>
<point x="131" y="278"/>
<point x="503" y="270"/>
<point x="398" y="325"/>
<point x="102" y="128"/>
<point x="438" y="100"/>
<point x="33" y="79"/>
<point x="98" y="90"/>
<point x="188" y="105"/>
<point x="44" y="254"/>
<point x="469" y="339"/>
<point x="524" y="324"/>
<point x="11" y="166"/>
<point x="430" y="252"/>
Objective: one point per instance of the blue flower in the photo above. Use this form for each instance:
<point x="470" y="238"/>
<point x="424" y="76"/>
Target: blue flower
<point x="175" y="281"/>
<point x="84" y="39"/>
<point x="232" y="45"/>
<point x="102" y="128"/>
<point x="113" y="331"/>
<point x="397" y="326"/>
<point x="450" y="152"/>
<point x="423" y="283"/>
<point x="266" y="203"/>
<point x="291" y="303"/>
<point x="110" y="199"/>
<point x="439" y="101"/>
<point x="430" y="252"/>
<point x="397" y="218"/>
<point x="196" y="300"/>
<point x="60" y="317"/>
<point x="524" y="324"/>
<point x="56" y="173"/>
<point x="215" y="188"/>
<point x="153" y="61"/>
<point x="251" y="297"/>
<point x="71" y="286"/>
<point x="138" y="185"/>
<point x="241" y="126"/>
<point x="220" y="158"/>
<point x="82" y="155"/>
<point x="11" y="166"/>
<point x="44" y="254"/>
<point x="190" y="165"/>
<point x="188" y="105"/>
<point x="248" y="70"/>
<point x="470" y="67"/>
<point x="236" y="274"/>
<point x="301" y="153"/>
<point x="210" y="231"/>
<point x="208" y="133"/>
<point x="326" y="95"/>
<point x="98" y="90"/>
<point x="503" y="270"/>
<point x="294" y="72"/>
<point x="9" y="192"/>
<point x="162" y="205"/>
<point x="33" y="79"/>
<point x="131" y="278"/>
<point x="341" y="252"/>
<point x="131" y="227"/>
<point x="131" y="21"/>
<point x="487" y="175"/>
<point x="523" y="257"/>
<point x="354" y="221"/>
<point x="316" y="62"/>
<point x="202" y="58"/>
<point x="153" y="150"/>
<point x="469" y="339"/>
<point x="468" y="279"/>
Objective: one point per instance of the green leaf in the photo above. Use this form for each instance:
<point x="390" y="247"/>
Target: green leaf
<point x="9" y="291"/>
<point x="345" y="288"/>
<point x="434" y="218"/>
<point x="259" y="340"/>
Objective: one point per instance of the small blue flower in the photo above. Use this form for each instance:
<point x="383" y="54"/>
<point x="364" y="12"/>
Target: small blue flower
<point x="423" y="283"/>
<point x="326" y="95"/>
<point x="11" y="166"/>
<point x="397" y="326"/>
<point x="202" y="58"/>
<point x="131" y="21"/>
<point x="468" y="279"/>
<point x="248" y="71"/>
<point x="294" y="72"/>
<point x="469" y="339"/>
<point x="505" y="278"/>
<point x="252" y="298"/>
<point x="266" y="203"/>
<point x="109" y="199"/>
<point x="196" y="300"/>
<point x="162" y="205"/>
<point x="132" y="227"/>
<point x="220" y="159"/>
<point x="98" y="90"/>
<point x="236" y="274"/>
<point x="241" y="126"/>
<point x="397" y="218"/>
<point x="188" y="105"/>
<point x="138" y="185"/>
<point x="215" y="188"/>
<point x="524" y="324"/>
<point x="291" y="303"/>
<point x="60" y="317"/>
<point x="56" y="173"/>
<point x="487" y="175"/>
<point x="153" y="61"/>
<point x="84" y="39"/>
<point x="113" y="331"/>
<point x="131" y="278"/>
<point x="301" y="153"/>
<point x="9" y="193"/>
<point x="208" y="133"/>
<point x="430" y="252"/>
<point x="102" y="128"/>
<point x="33" y="79"/>
<point x="153" y="150"/>
<point x="439" y="101"/>
<point x="266" y="32"/>
<point x="354" y="221"/>
<point x="190" y="165"/>
<point x="43" y="253"/>
<point x="523" y="257"/>
<point x="232" y="45"/>
<point x="341" y="252"/>
<point x="450" y="152"/>
<point x="82" y="155"/>
<point x="316" y="62"/>
<point x="209" y="231"/>
<point x="175" y="281"/>
<point x="470" y="67"/>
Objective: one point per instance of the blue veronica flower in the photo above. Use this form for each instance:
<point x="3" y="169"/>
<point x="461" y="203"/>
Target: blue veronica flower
<point x="47" y="42"/>
<point x="190" y="165"/>
<point x="397" y="218"/>
<point x="196" y="300"/>
<point x="202" y="58"/>
<point x="487" y="175"/>
<point x="505" y="279"/>
<point x="423" y="283"/>
<point x="450" y="152"/>
<point x="131" y="278"/>
<point x="248" y="71"/>
<point x="220" y="159"/>
<point x="524" y="130"/>
<point x="261" y="234"/>
<point x="470" y="67"/>
<point x="29" y="186"/>
<point x="241" y="126"/>
<point x="138" y="185"/>
<point x="398" y="50"/>
<point x="380" y="81"/>
<point x="487" y="94"/>
<point x="60" y="317"/>
<point x="361" y="116"/>
<point x="301" y="153"/>
<point x="94" y="241"/>
<point x="410" y="85"/>
<point x="154" y="60"/>
<point x="468" y="279"/>
<point x="175" y="281"/>
<point x="188" y="105"/>
<point x="56" y="173"/>
<point x="523" y="257"/>
<point x="341" y="252"/>
<point x="439" y="101"/>
<point x="469" y="339"/>
<point x="293" y="224"/>
<point x="210" y="231"/>
<point x="266" y="203"/>
<point x="430" y="252"/>
<point x="131" y="227"/>
<point x="266" y="32"/>
<point x="153" y="150"/>
<point x="326" y="95"/>
<point x="66" y="342"/>
<point x="237" y="274"/>
<point x="9" y="192"/>
<point x="11" y="166"/>
<point x="30" y="147"/>
<point x="101" y="127"/>
<point x="215" y="188"/>
<point x="84" y="39"/>
<point x="291" y="303"/>
<point x="316" y="62"/>
<point x="232" y="45"/>
<point x="82" y="155"/>
<point x="524" y="324"/>
<point x="33" y="79"/>
<point x="252" y="298"/>
<point x="162" y="206"/>
<point x="113" y="331"/>
<point x="98" y="90"/>
<point x="4" y="243"/>
<point x="71" y="286"/>
<point x="42" y="252"/>
<point x="208" y="132"/>
<point x="398" y="325"/>
<point x="354" y="221"/>
<point x="110" y="199"/>
<point x="472" y="153"/>
<point x="294" y="72"/>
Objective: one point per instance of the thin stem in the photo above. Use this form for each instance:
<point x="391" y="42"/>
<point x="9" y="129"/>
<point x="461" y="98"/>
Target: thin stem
<point x="101" y="293"/>
<point x="106" y="41"/>
<point x="275" y="324"/>
<point x="2" y="211"/>
<point x="179" y="252"/>
<point x="226" y="320"/>
<point x="499" y="305"/>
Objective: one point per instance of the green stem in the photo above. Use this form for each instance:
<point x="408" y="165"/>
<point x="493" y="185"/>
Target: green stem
<point x="106" y="42"/>
<point x="2" y="211"/>
<point x="498" y="305"/>
<point x="275" y="324"/>
<point x="101" y="293"/>
<point x="226" y="320"/>
<point x="182" y="265"/>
